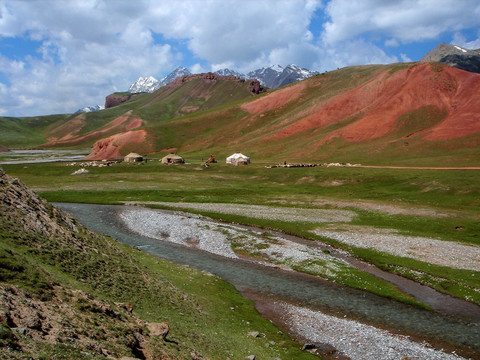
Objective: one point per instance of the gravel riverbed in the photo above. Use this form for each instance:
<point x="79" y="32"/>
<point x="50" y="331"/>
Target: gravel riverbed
<point x="268" y="212"/>
<point x="354" y="339"/>
<point x="440" y="252"/>
<point x="203" y="233"/>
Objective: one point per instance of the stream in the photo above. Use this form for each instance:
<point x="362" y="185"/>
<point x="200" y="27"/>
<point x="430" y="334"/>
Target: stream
<point x="258" y="282"/>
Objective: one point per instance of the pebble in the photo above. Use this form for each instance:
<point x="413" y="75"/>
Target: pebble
<point x="271" y="212"/>
<point x="345" y="335"/>
<point x="447" y="253"/>
<point x="316" y="327"/>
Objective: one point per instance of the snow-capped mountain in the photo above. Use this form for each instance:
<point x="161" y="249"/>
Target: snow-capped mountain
<point x="150" y="84"/>
<point x="228" y="72"/>
<point x="272" y="77"/>
<point x="90" y="109"/>
<point x="276" y="76"/>
<point x="144" y="84"/>
<point x="456" y="56"/>
<point x="178" y="72"/>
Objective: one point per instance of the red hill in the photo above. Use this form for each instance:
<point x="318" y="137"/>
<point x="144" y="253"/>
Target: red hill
<point x="398" y="114"/>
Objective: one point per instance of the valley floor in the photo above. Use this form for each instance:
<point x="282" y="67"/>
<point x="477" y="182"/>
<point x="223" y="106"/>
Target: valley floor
<point x="447" y="253"/>
<point x="351" y="338"/>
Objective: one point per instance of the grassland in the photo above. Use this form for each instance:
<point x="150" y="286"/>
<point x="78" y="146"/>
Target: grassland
<point x="85" y="277"/>
<point x="431" y="203"/>
<point x="221" y="117"/>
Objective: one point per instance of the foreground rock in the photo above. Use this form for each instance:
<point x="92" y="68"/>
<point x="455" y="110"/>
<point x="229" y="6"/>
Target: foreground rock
<point x="38" y="313"/>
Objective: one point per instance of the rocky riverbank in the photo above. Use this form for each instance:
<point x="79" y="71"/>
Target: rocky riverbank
<point x="351" y="339"/>
<point x="354" y="339"/>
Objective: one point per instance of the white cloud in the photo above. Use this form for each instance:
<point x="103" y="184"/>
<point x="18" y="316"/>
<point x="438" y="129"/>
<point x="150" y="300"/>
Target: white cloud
<point x="88" y="50"/>
<point x="198" y="68"/>
<point x="392" y="43"/>
<point x="91" y="48"/>
<point x="354" y="52"/>
<point x="219" y="31"/>
<point x="460" y="40"/>
<point x="405" y="58"/>
<point x="404" y="20"/>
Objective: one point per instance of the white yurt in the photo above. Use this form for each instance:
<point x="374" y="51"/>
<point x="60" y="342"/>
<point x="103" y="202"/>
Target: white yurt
<point x="238" y="159"/>
<point x="173" y="159"/>
<point x="133" y="157"/>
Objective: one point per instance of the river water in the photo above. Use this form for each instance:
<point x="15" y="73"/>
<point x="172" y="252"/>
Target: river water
<point x="301" y="289"/>
<point x="40" y="156"/>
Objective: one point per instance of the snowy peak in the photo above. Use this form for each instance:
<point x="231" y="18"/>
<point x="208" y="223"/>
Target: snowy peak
<point x="455" y="56"/>
<point x="276" y="68"/>
<point x="276" y="76"/>
<point x="228" y="72"/>
<point x="144" y="84"/>
<point x="150" y="84"/>
<point x="90" y="109"/>
<point x="442" y="50"/>
<point x="178" y="72"/>
<point x="272" y="77"/>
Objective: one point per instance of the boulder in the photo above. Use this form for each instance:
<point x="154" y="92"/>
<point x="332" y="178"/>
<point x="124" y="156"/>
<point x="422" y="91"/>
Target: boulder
<point x="255" y="87"/>
<point x="80" y="171"/>
<point x="116" y="99"/>
<point x="159" y="329"/>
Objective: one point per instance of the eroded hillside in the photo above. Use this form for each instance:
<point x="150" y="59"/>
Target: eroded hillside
<point x="422" y="113"/>
<point x="67" y="293"/>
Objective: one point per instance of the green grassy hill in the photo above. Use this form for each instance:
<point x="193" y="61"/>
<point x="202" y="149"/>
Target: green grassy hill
<point x="401" y="114"/>
<point x="67" y="293"/>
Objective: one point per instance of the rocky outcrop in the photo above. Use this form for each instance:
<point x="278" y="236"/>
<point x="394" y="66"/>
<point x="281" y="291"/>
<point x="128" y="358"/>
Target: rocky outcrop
<point x="37" y="309"/>
<point x="208" y="77"/>
<point x="253" y="85"/>
<point x="18" y="201"/>
<point x="455" y="56"/>
<point x="159" y="329"/>
<point x="116" y="99"/>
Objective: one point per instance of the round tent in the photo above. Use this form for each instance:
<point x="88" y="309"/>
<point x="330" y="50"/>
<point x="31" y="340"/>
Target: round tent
<point x="238" y="159"/>
<point x="173" y="159"/>
<point x="133" y="157"/>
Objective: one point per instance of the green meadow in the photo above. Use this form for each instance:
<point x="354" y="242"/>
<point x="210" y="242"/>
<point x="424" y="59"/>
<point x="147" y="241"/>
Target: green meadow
<point x="442" y="204"/>
<point x="207" y="316"/>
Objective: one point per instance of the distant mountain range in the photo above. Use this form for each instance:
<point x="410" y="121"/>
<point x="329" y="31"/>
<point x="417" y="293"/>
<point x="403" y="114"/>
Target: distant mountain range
<point x="401" y="114"/>
<point x="276" y="76"/>
<point x="455" y="56"/>
<point x="150" y="84"/>
<point x="90" y="109"/>
<point x="273" y="77"/>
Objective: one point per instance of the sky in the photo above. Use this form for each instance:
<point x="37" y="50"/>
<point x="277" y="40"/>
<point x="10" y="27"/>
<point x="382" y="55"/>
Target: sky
<point x="57" y="56"/>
